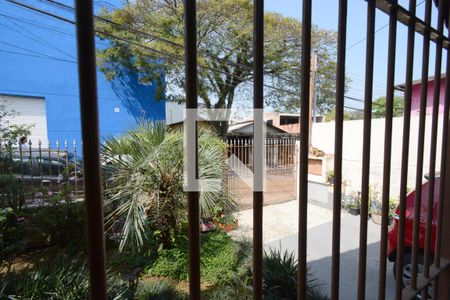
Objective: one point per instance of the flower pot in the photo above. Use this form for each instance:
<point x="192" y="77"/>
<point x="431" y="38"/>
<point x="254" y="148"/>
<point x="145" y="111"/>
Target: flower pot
<point x="354" y="211"/>
<point x="376" y="219"/>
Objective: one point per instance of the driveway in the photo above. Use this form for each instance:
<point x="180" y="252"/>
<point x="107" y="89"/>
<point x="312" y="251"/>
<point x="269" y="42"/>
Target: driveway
<point x="280" y="231"/>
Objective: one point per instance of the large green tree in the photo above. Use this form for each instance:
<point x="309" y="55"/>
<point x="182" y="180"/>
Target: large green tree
<point x="379" y="107"/>
<point x="225" y="31"/>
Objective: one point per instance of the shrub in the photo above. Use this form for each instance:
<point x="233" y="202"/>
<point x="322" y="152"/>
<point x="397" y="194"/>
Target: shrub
<point x="60" y="279"/>
<point x="280" y="270"/>
<point x="221" y="258"/>
<point x="238" y="287"/>
<point x="145" y="188"/>
<point x="11" y="237"/>
<point x="157" y="290"/>
<point x="60" y="224"/>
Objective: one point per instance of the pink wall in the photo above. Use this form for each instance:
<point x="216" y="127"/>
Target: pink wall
<point x="415" y="105"/>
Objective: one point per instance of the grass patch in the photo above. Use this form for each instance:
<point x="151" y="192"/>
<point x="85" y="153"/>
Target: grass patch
<point x="221" y="258"/>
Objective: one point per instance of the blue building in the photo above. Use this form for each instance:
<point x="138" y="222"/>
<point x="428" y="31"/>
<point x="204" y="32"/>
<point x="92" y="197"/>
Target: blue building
<point x="39" y="77"/>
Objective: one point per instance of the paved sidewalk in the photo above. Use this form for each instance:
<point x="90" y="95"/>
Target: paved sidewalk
<point x="280" y="220"/>
<point x="280" y="230"/>
<point x="279" y="188"/>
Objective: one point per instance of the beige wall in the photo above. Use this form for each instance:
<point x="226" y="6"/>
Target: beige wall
<point x="323" y="138"/>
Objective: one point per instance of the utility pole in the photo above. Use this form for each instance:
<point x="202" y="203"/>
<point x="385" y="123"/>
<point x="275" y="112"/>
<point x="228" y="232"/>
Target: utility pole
<point x="312" y="91"/>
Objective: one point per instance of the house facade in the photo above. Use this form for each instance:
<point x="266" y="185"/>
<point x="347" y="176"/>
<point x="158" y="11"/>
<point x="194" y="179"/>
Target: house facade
<point x="415" y="97"/>
<point x="39" y="79"/>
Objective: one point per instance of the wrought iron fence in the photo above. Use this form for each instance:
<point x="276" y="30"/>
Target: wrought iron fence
<point x="280" y="164"/>
<point x="280" y="154"/>
<point x="32" y="173"/>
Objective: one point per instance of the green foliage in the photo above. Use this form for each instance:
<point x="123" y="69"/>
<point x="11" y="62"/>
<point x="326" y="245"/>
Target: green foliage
<point x="61" y="224"/>
<point x="61" y="279"/>
<point x="238" y="287"/>
<point x="379" y="107"/>
<point x="330" y="176"/>
<point x="11" y="237"/>
<point x="353" y="201"/>
<point x="145" y="185"/>
<point x="348" y="115"/>
<point x="157" y="290"/>
<point x="12" y="193"/>
<point x="220" y="259"/>
<point x="393" y="203"/>
<point x="280" y="270"/>
<point x="225" y="37"/>
<point x="10" y="133"/>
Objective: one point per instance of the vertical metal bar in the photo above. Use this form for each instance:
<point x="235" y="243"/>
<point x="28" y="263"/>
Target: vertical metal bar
<point x="50" y="165"/>
<point x="75" y="165"/>
<point x="421" y="144"/>
<point x="58" y="158"/>
<point x="190" y="36"/>
<point x="304" y="148"/>
<point x="30" y="151"/>
<point x="366" y="149"/>
<point x="443" y="172"/>
<point x="405" y="151"/>
<point x="21" y="162"/>
<point x="66" y="149"/>
<point x="387" y="148"/>
<point x="40" y="162"/>
<point x="91" y="152"/>
<point x="433" y="143"/>
<point x="337" y="196"/>
<point x="258" y="105"/>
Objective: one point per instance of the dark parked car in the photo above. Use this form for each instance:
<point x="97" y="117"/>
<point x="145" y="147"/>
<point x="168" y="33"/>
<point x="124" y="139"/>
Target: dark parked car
<point x="41" y="168"/>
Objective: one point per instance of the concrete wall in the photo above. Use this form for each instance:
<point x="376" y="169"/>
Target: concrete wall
<point x="323" y="138"/>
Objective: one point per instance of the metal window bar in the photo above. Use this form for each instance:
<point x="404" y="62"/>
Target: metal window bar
<point x="304" y="147"/>
<point x="370" y="43"/>
<point x="190" y="22"/>
<point x="84" y="16"/>
<point x="258" y="106"/>
<point x="339" y="121"/>
<point x="421" y="144"/>
<point x="443" y="172"/>
<point x="405" y="150"/>
<point x="387" y="149"/>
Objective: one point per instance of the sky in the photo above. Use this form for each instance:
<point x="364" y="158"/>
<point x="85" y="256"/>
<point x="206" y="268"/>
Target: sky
<point x="325" y="15"/>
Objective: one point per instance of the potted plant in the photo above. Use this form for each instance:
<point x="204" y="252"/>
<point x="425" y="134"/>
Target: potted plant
<point x="376" y="205"/>
<point x="225" y="221"/>
<point x="330" y="177"/>
<point x="354" y="203"/>
<point x="393" y="203"/>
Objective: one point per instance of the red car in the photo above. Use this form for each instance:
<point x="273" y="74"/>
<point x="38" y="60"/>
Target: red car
<point x="393" y="232"/>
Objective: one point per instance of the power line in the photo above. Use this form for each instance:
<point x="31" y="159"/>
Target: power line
<point x="379" y="29"/>
<point x="71" y="9"/>
<point x="33" y="55"/>
<point x="171" y="56"/>
<point x="35" y="52"/>
<point x="36" y="38"/>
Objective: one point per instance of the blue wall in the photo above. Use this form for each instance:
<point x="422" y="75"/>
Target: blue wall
<point x="38" y="58"/>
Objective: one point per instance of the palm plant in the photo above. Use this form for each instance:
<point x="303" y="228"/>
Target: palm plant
<point x="144" y="185"/>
